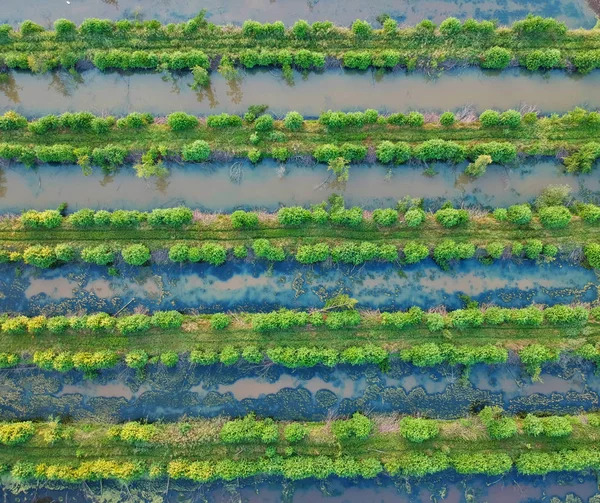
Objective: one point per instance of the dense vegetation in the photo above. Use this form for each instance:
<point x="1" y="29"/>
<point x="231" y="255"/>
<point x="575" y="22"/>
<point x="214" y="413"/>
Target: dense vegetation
<point x="204" y="450"/>
<point x="302" y="339"/>
<point x="394" y="139"/>
<point x="535" y="43"/>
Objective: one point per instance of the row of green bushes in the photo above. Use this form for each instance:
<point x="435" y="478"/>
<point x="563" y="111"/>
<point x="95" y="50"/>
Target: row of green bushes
<point x="318" y="467"/>
<point x="92" y="29"/>
<point x="86" y="122"/>
<point x="431" y="354"/>
<point x="496" y="58"/>
<point x="552" y="216"/>
<point x="86" y="218"/>
<point x="285" y="319"/>
<point x="443" y="253"/>
<point x="112" y="156"/>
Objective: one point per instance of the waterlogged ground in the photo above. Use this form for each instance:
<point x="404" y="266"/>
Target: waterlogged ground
<point x="449" y="488"/>
<point x="269" y="185"/>
<point x="240" y="285"/>
<point x="576" y="13"/>
<point x="305" y="394"/>
<point x="118" y="94"/>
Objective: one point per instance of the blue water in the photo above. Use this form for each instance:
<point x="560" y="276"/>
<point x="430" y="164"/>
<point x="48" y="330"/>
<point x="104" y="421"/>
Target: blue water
<point x="269" y="185"/>
<point x="445" y="487"/>
<point x="257" y="286"/>
<point x="114" y="395"/>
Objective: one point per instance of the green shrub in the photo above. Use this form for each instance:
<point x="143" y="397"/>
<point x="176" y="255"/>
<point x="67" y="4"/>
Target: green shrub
<point x="358" y="426"/>
<point x="362" y="29"/>
<point x="82" y="218"/>
<point x="16" y="433"/>
<point x="293" y="121"/>
<point x="496" y="58"/>
<point x="249" y="429"/>
<point x="510" y="118"/>
<point x="519" y="214"/>
<point x="592" y="254"/>
<point x="39" y="256"/>
<point x="418" y="430"/>
<point x="447" y="119"/>
<point x="414" y="217"/>
<point x="489" y="118"/>
<point x="311" y="254"/>
<point x="450" y="217"/>
<point x="167" y="319"/>
<point x="440" y="150"/>
<point x="360" y="60"/>
<point x="415" y="252"/>
<point x="423" y="355"/>
<point x="566" y="315"/>
<point x="180" y="121"/>
<point x="199" y="151"/>
<point x="533" y="248"/>
<point x="136" y="359"/>
<point x="294" y="432"/>
<point x="264" y="249"/>
<point x="555" y="217"/>
<point x="244" y="220"/>
<point x="137" y="254"/>
<point x="223" y="120"/>
<point x="64" y="252"/>
<point x="498" y="426"/>
<point x="12" y="121"/>
<point x="293" y="216"/>
<point x="100" y="255"/>
<point x="534" y="356"/>
<point x="219" y="321"/>
<point x="48" y="219"/>
<point x="434" y="321"/>
<point x="229" y="356"/>
<point x="264" y="123"/>
<point x="133" y="323"/>
<point x="16" y="325"/>
<point x="254" y="155"/>
<point x="385" y="217"/>
<point x="543" y="58"/>
<point x="415" y="119"/>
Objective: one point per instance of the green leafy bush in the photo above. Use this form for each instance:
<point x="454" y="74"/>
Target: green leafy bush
<point x="418" y="430"/>
<point x="137" y="254"/>
<point x="180" y="121"/>
<point x="244" y="220"/>
<point x="293" y="121"/>
<point x="359" y="426"/>
<point x="450" y="217"/>
<point x="199" y="151"/>
<point x="555" y="217"/>
<point x="519" y="214"/>
<point x="496" y="58"/>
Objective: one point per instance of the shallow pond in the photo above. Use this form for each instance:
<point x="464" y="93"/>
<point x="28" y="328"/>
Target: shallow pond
<point x="120" y="394"/>
<point x="446" y="487"/>
<point x="576" y="13"/>
<point x="269" y="184"/>
<point x="257" y="286"/>
<point x="118" y="94"/>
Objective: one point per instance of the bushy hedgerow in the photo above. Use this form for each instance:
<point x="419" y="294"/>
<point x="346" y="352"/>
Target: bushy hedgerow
<point x="16" y="433"/>
<point x="223" y="120"/>
<point x="519" y="214"/>
<point x="543" y="58"/>
<point x="48" y="219"/>
<point x="499" y="427"/>
<point x="264" y="249"/>
<point x="450" y="217"/>
<point x="502" y="152"/>
<point x="385" y="217"/>
<point x="137" y="254"/>
<point x="39" y="256"/>
<point x="496" y="58"/>
<point x="393" y="152"/>
<point x="249" y="429"/>
<point x="167" y="319"/>
<point x="311" y="254"/>
<point x="294" y="432"/>
<point x="99" y="255"/>
<point x="489" y="118"/>
<point x="418" y="430"/>
<point x="551" y="426"/>
<point x="358" y="426"/>
<point x="535" y="355"/>
<point x="293" y="216"/>
<point x="401" y="320"/>
<point x="555" y="217"/>
<point x="244" y="220"/>
<point x="219" y="321"/>
<point x="440" y="150"/>
<point x="180" y="121"/>
<point x="199" y="151"/>
<point x="414" y="217"/>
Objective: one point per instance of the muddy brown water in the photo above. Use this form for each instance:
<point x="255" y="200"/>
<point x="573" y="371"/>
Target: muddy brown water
<point x="118" y="94"/>
<point x="269" y="185"/>
<point x="575" y="13"/>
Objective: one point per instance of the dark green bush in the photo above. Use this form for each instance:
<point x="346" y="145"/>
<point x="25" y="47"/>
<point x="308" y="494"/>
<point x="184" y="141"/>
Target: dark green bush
<point x="199" y="151"/>
<point x="418" y="430"/>
<point x="180" y="121"/>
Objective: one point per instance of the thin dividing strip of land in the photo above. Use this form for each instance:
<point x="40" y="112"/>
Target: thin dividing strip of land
<point x="200" y="440"/>
<point x="545" y="136"/>
<point x="451" y="41"/>
<point x="481" y="230"/>
<point x="196" y="332"/>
